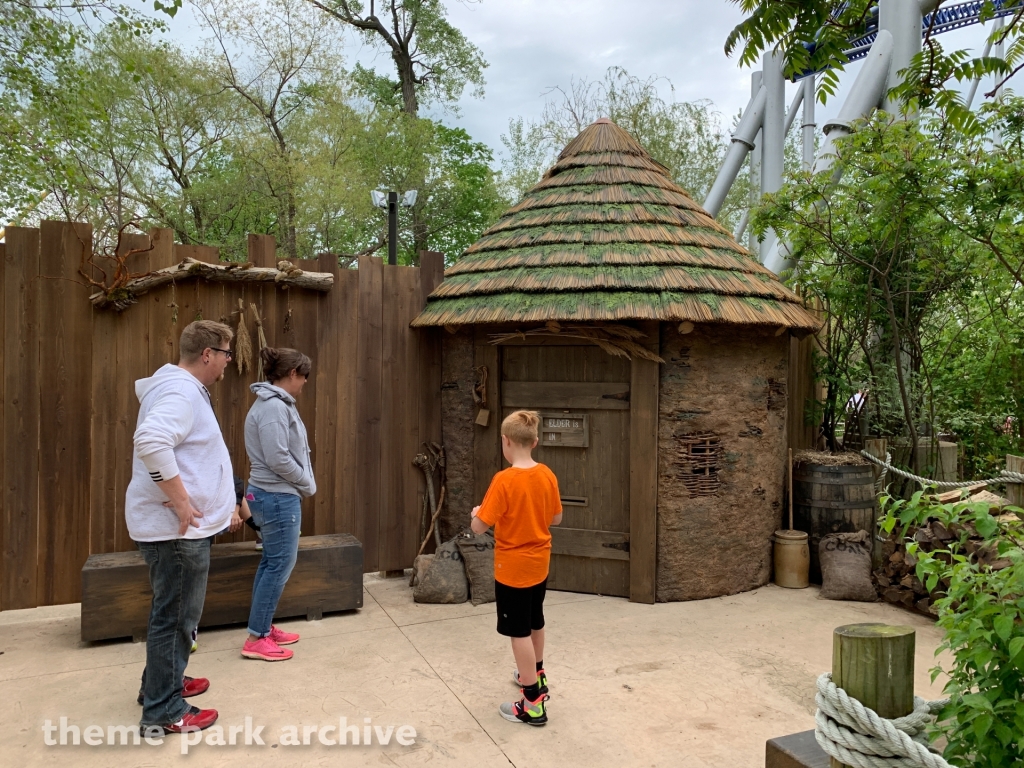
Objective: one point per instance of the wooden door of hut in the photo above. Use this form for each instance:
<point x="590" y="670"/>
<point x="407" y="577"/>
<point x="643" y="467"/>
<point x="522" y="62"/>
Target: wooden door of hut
<point x="583" y="396"/>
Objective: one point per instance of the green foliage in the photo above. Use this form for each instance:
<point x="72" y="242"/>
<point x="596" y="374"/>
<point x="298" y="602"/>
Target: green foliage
<point x="38" y="46"/>
<point x="930" y="81"/>
<point x="982" y="615"/>
<point x="434" y="61"/>
<point x="914" y="251"/>
<point x="217" y="143"/>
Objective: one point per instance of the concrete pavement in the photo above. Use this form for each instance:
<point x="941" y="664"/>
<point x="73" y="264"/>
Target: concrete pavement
<point x="679" y="684"/>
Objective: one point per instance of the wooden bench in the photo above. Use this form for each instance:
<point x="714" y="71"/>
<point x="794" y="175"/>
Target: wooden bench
<point x="328" y="576"/>
<point x="798" y="750"/>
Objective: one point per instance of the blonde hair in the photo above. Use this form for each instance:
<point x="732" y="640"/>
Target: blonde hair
<point x="521" y="427"/>
<point x="201" y="335"/>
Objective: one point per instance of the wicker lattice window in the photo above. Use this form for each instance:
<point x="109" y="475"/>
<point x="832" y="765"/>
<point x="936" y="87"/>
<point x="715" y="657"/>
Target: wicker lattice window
<point x="699" y="461"/>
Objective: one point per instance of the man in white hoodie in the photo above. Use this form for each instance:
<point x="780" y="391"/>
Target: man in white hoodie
<point x="181" y="494"/>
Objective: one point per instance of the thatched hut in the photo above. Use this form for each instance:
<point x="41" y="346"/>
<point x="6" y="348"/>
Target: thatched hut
<point x="656" y="349"/>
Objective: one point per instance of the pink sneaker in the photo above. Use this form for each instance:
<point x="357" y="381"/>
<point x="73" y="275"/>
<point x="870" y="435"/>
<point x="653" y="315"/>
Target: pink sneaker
<point x="281" y="637"/>
<point x="265" y="649"/>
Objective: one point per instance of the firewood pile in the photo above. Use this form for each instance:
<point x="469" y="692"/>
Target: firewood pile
<point x="896" y="580"/>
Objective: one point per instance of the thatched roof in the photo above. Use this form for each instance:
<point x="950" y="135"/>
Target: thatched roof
<point x="606" y="236"/>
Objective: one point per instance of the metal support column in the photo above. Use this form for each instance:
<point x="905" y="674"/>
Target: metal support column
<point x="902" y="19"/>
<point x="754" y="197"/>
<point x="808" y="125"/>
<point x="774" y="133"/>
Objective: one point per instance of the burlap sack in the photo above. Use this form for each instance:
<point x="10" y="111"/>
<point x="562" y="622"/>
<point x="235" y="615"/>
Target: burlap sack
<point x="419" y="567"/>
<point x="478" y="554"/>
<point x="444" y="580"/>
<point x="846" y="567"/>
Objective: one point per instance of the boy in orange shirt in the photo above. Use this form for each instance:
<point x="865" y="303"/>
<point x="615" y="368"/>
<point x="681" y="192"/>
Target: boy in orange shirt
<point x="522" y="503"/>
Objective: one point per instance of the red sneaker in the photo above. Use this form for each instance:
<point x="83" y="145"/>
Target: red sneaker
<point x="265" y="649"/>
<point x="195" y="719"/>
<point x="192" y="686"/>
<point x="281" y="637"/>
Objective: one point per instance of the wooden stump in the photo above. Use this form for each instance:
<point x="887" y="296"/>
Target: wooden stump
<point x="1015" y="491"/>
<point x="874" y="663"/>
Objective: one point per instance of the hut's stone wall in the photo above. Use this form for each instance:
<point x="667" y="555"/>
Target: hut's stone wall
<point x="457" y="413"/>
<point x="722" y="457"/>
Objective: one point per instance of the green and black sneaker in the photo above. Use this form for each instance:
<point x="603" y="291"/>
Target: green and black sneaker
<point x="542" y="678"/>
<point x="523" y="711"/>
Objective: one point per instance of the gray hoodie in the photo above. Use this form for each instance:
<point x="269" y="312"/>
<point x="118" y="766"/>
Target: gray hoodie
<point x="275" y="439"/>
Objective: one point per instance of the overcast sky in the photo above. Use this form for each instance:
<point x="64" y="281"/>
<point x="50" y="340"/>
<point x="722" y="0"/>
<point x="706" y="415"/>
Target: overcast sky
<point x="533" y="45"/>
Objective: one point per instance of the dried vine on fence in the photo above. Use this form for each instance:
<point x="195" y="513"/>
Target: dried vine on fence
<point x="113" y="282"/>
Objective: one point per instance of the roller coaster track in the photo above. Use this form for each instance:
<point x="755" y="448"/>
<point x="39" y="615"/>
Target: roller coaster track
<point x="947" y="18"/>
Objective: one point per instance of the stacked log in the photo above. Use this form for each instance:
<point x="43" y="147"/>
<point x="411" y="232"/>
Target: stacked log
<point x="896" y="578"/>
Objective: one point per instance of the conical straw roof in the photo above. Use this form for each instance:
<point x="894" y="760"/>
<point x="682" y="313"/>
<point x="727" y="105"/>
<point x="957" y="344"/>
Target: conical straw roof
<point x="608" y="236"/>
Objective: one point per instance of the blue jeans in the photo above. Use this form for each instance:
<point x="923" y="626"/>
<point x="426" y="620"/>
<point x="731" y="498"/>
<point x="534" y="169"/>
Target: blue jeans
<point x="279" y="516"/>
<point x="177" y="574"/>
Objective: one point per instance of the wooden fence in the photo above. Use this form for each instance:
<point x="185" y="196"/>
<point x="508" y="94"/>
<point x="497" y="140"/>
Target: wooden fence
<point x="67" y="374"/>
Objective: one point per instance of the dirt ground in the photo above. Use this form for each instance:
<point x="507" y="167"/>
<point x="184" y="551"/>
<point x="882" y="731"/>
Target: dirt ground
<point x="674" y="684"/>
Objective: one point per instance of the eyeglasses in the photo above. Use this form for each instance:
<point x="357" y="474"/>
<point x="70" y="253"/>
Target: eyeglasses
<point x="227" y="352"/>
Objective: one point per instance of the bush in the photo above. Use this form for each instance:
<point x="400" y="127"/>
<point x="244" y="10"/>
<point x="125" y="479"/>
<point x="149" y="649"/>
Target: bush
<point x="982" y="615"/>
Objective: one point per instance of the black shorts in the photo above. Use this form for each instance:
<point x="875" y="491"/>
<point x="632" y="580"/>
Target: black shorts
<point x="520" y="609"/>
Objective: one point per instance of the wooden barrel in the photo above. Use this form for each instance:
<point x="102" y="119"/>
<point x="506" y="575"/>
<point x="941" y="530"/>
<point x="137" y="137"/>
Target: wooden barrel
<point x="830" y="499"/>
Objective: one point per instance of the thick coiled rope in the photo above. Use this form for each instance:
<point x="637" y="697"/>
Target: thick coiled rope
<point x="858" y="736"/>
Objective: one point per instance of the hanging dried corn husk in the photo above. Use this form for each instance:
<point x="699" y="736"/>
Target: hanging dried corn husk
<point x="243" y="342"/>
<point x="261" y="337"/>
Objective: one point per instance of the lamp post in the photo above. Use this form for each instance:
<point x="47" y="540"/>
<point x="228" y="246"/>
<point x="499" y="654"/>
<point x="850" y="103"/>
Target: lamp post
<point x="390" y="201"/>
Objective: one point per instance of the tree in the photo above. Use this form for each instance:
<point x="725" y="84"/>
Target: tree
<point x="792" y="25"/>
<point x="39" y="40"/>
<point x="432" y="58"/>
<point x="898" y="253"/>
<point x="276" y="57"/>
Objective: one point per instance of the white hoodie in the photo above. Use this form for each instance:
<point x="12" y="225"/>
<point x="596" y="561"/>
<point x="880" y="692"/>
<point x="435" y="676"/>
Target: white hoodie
<point x="177" y="433"/>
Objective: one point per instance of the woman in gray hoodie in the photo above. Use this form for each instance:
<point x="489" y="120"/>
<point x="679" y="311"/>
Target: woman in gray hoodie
<point x="281" y="474"/>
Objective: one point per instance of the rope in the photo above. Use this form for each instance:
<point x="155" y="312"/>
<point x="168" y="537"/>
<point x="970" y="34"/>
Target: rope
<point x="1006" y="476"/>
<point x="859" y="737"/>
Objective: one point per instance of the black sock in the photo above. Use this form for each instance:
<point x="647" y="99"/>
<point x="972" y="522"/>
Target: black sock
<point x="540" y="665"/>
<point x="532" y="692"/>
<point x="251" y="523"/>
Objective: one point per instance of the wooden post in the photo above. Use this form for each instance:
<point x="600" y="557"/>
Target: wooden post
<point x="874" y="663"/>
<point x="877" y="447"/>
<point x="1015" y="491"/>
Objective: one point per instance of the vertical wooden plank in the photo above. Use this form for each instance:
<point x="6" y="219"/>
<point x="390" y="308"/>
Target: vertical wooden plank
<point x="3" y="259"/>
<point x="121" y="355"/>
<point x="400" y="424"/>
<point x="337" y="409"/>
<point x="234" y="392"/>
<point x="262" y="253"/>
<point x="643" y="475"/>
<point x="325" y="428"/>
<point x="66" y="367"/>
<point x="368" y="403"/>
<point x="65" y="347"/>
<point x="21" y="417"/>
<point x="162" y="304"/>
<point x="428" y="341"/>
<point x="304" y="306"/>
<point x="487" y="458"/>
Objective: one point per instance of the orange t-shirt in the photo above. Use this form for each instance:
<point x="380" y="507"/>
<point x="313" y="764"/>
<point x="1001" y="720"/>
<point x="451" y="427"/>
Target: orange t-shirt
<point x="520" y="504"/>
